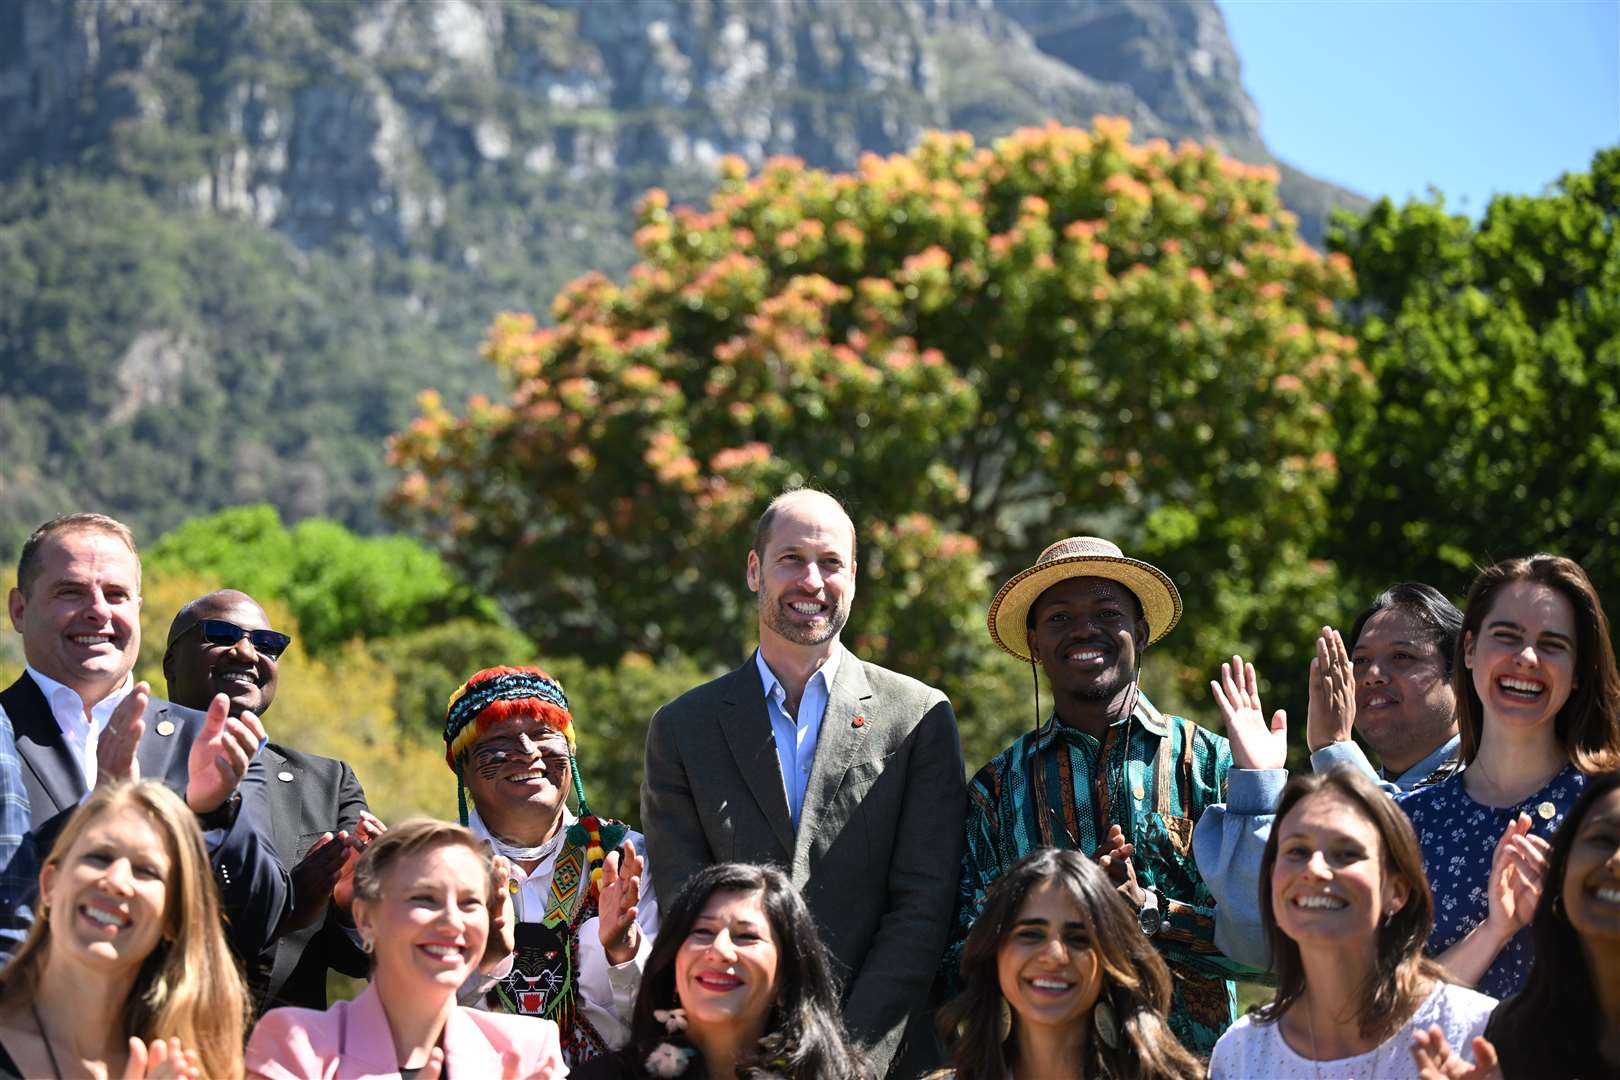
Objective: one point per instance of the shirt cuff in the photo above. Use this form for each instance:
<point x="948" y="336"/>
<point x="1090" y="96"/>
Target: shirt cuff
<point x="1254" y="791"/>
<point x="1347" y="752"/>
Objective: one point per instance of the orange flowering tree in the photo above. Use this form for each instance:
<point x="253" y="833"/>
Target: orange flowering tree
<point x="981" y="349"/>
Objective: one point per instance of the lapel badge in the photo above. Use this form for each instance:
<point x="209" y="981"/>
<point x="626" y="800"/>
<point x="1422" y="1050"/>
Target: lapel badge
<point x="165" y="727"/>
<point x="859" y="721"/>
<point x="1547" y="811"/>
<point x="284" y="776"/>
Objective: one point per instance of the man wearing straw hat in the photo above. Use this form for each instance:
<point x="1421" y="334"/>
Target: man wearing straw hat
<point x="1106" y="773"/>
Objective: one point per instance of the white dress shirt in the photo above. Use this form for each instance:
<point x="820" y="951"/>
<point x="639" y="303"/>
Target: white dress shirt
<point x="79" y="731"/>
<point x="607" y="992"/>
<point x="796" y="735"/>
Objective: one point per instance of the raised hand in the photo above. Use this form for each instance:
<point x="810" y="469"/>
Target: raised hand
<point x="366" y="830"/>
<point x="1255" y="745"/>
<point x="220" y="755"/>
<point x="616" y="909"/>
<point x="1436" y="1060"/>
<point x="165" y="1059"/>
<point x="116" y="745"/>
<point x="1331" y="713"/>
<point x="1114" y="856"/>
<point x="502" y="927"/>
<point x="1518" y="867"/>
<point x="314" y="878"/>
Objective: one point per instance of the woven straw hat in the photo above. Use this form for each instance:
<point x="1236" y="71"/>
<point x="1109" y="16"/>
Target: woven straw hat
<point x="1081" y="556"/>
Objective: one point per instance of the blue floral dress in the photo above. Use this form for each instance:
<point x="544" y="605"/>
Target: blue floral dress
<point x="1458" y="837"/>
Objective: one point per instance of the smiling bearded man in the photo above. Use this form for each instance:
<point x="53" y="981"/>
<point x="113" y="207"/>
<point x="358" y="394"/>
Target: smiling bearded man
<point x="1107" y="774"/>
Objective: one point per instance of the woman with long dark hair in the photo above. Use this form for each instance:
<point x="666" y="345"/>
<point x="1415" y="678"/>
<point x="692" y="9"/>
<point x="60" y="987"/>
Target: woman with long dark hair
<point x="1059" y="980"/>
<point x="1538" y="706"/>
<point x="1346" y="909"/>
<point x="737" y="985"/>
<point x="1565" y="1023"/>
<point x="126" y="971"/>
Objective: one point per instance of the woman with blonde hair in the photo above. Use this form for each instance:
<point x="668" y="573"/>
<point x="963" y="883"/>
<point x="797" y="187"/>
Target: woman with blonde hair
<point x="425" y="896"/>
<point x="1059" y="980"/>
<point x="125" y="972"/>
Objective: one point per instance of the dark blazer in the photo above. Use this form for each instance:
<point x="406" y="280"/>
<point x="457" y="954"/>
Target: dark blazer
<point x="253" y="883"/>
<point x="308" y="795"/>
<point x="879" y="846"/>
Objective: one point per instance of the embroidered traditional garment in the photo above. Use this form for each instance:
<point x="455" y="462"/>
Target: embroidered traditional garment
<point x="1152" y="775"/>
<point x="543" y="980"/>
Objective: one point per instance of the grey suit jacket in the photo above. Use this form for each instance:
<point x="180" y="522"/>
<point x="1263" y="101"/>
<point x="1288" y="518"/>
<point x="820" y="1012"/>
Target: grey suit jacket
<point x="308" y="795"/>
<point x="879" y="846"/>
<point x="253" y="883"/>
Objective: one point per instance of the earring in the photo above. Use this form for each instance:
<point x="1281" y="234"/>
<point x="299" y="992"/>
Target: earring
<point x="366" y="944"/>
<point x="1006" y="1020"/>
<point x="1558" y="907"/>
<point x="1107" y="1027"/>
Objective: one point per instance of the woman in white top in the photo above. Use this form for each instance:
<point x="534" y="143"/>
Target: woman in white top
<point x="1346" y="909"/>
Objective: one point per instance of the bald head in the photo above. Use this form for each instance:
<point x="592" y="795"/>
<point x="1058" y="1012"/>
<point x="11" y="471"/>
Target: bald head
<point x="817" y="503"/>
<point x="197" y="668"/>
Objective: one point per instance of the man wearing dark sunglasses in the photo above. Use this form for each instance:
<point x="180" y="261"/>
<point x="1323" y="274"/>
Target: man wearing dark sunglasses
<point x="81" y="721"/>
<point x="314" y="806"/>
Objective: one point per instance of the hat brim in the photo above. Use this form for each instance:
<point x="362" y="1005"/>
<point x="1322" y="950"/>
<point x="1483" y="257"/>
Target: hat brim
<point x="1009" y="611"/>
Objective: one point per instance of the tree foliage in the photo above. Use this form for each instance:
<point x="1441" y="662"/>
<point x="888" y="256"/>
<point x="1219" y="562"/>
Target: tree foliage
<point x="981" y="349"/>
<point x="339" y="585"/>
<point x="1496" y="351"/>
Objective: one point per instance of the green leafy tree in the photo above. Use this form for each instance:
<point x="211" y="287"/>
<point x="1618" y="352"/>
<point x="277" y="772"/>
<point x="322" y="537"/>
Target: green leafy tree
<point x="981" y="349"/>
<point x="338" y="585"/>
<point x="1496" y="351"/>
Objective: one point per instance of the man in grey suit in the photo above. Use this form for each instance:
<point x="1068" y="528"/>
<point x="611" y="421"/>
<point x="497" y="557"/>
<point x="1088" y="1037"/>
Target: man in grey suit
<point x="81" y="720"/>
<point x="847" y="775"/>
<point x="316" y="811"/>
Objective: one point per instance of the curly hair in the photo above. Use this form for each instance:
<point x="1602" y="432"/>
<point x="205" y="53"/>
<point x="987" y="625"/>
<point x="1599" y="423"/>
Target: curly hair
<point x="1136" y="982"/>
<point x="804" y="1036"/>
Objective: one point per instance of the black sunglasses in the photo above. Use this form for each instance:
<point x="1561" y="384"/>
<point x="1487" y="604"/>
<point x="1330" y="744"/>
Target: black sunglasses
<point x="271" y="643"/>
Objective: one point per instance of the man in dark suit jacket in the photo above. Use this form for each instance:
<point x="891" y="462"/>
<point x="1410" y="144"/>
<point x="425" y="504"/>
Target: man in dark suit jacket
<point x="222" y="643"/>
<point x="80" y="720"/>
<point x="847" y="775"/>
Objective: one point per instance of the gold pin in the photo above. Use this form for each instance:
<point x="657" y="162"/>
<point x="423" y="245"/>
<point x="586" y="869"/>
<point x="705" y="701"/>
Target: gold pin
<point x="1547" y="811"/>
<point x="1137" y="790"/>
<point x="165" y="727"/>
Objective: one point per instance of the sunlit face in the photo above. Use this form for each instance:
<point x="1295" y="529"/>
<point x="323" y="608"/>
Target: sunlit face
<point x="108" y="897"/>
<point x="197" y="670"/>
<point x="518" y="775"/>
<point x="1087" y="635"/>
<point x="1048" y="967"/>
<point x="1592" y="875"/>
<point x="1523" y="660"/>
<point x="1405" y="706"/>
<point x="806" y="580"/>
<point x="1329" y="886"/>
<point x="81" y="618"/>
<point x="725" y="971"/>
<point x="431" y="921"/>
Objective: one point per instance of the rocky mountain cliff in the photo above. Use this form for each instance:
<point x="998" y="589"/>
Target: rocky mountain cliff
<point x="439" y="161"/>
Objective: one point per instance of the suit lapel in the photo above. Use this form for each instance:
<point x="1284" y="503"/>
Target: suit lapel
<point x="52" y="771"/>
<point x="747" y="730"/>
<point x="837" y="746"/>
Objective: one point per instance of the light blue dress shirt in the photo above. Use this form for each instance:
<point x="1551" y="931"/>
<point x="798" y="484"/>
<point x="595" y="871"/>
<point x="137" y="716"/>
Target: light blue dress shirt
<point x="796" y="735"/>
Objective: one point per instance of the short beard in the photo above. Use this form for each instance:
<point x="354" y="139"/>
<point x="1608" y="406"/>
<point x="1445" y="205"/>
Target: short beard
<point x="1104" y="691"/>
<point x="770" y="613"/>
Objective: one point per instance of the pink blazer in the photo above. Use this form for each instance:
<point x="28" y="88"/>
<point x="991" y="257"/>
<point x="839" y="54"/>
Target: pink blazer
<point x="351" y="1041"/>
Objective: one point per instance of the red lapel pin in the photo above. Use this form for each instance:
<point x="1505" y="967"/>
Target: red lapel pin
<point x="859" y="721"/>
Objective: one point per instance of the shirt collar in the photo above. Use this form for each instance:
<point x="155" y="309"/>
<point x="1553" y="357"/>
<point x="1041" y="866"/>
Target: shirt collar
<point x="1417" y="773"/>
<point x="546" y="853"/>
<point x="827" y="672"/>
<point x="1145" y="713"/>
<point x="63" y="698"/>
